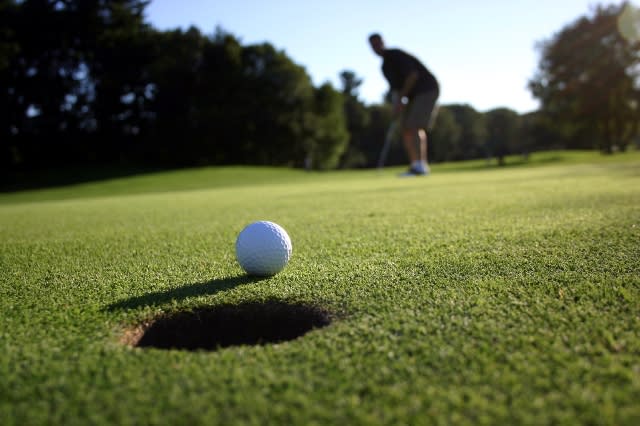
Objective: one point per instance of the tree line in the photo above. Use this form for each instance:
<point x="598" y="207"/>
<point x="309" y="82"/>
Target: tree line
<point x="91" y="82"/>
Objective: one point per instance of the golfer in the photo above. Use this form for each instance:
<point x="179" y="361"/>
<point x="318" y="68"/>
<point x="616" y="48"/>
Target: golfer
<point x="414" y="93"/>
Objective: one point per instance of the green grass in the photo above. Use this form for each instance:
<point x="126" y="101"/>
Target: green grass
<point x="478" y="295"/>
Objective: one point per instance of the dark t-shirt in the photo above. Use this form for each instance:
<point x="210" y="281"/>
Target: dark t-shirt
<point x="396" y="67"/>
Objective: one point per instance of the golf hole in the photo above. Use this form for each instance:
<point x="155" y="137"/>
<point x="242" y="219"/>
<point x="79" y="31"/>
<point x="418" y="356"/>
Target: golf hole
<point x="216" y="327"/>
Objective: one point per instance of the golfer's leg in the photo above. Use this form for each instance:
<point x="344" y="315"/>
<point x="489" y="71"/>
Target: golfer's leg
<point x="422" y="143"/>
<point x="421" y="117"/>
<point x="410" y="146"/>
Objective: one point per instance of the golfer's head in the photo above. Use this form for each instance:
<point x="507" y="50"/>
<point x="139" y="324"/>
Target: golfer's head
<point x="377" y="44"/>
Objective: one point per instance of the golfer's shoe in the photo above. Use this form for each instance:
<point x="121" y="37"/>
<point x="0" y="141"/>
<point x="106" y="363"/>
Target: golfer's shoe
<point x="415" y="171"/>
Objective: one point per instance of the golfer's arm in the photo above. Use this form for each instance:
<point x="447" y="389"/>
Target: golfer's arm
<point x="409" y="82"/>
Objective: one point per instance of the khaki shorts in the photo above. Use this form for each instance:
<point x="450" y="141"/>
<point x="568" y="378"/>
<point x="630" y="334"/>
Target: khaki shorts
<point x="421" y="111"/>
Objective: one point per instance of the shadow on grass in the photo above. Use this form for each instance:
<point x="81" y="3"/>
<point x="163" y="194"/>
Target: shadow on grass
<point x="52" y="178"/>
<point x="510" y="162"/>
<point x="184" y="292"/>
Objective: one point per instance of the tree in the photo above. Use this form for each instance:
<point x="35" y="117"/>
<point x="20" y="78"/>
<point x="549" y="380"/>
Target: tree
<point x="119" y="56"/>
<point x="39" y="75"/>
<point x="328" y="136"/>
<point x="8" y="43"/>
<point x="66" y="60"/>
<point x="587" y="79"/>
<point x="444" y="138"/>
<point x="503" y="132"/>
<point x="277" y="96"/>
<point x="175" y="79"/>
<point x="96" y="84"/>
<point x="219" y="101"/>
<point x="473" y="132"/>
<point x="9" y="49"/>
<point x="357" y="119"/>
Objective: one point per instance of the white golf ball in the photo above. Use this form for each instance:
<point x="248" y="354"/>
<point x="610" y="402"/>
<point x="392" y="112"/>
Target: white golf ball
<point x="263" y="248"/>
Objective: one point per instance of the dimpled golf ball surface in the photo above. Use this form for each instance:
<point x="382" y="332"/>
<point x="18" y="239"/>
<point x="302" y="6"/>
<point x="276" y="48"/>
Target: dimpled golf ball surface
<point x="263" y="248"/>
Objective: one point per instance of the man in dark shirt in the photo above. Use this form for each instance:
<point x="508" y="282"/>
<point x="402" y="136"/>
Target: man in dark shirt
<point x="414" y="93"/>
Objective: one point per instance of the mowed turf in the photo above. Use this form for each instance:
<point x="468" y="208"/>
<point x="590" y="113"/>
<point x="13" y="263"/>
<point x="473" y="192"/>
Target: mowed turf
<point x="477" y="295"/>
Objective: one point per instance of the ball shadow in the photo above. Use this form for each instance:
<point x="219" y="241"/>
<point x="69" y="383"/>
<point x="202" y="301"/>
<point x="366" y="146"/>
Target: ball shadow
<point x="192" y="290"/>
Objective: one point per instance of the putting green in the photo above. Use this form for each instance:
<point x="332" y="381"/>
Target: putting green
<point x="478" y="295"/>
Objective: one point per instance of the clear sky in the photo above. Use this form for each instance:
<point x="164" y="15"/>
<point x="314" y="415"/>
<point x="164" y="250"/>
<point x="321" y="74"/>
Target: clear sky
<point x="482" y="51"/>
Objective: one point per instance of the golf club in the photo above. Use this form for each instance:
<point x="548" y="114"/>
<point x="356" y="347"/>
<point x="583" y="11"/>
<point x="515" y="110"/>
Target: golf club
<point x="388" y="140"/>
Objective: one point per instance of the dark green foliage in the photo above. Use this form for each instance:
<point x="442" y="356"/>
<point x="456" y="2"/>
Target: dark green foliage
<point x="374" y="137"/>
<point x="278" y="100"/>
<point x="503" y="135"/>
<point x="473" y="133"/>
<point x="94" y="83"/>
<point x="358" y="120"/>
<point x="74" y="79"/>
<point x="445" y="136"/>
<point x="587" y="79"/>
<point x="328" y="136"/>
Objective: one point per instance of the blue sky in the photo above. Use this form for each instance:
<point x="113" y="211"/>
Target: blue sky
<point x="483" y="52"/>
